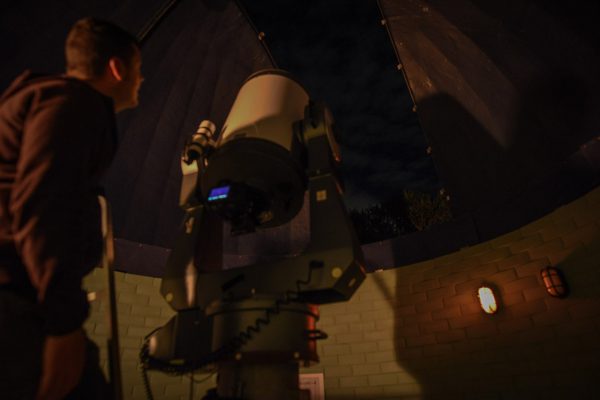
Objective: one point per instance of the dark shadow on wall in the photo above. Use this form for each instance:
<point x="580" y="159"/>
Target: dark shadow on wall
<point x="551" y="122"/>
<point x="538" y="347"/>
<point x="556" y="115"/>
<point x="494" y="188"/>
<point x="581" y="270"/>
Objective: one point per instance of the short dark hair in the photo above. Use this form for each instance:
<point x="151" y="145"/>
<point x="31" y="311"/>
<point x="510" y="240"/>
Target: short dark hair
<point x="92" y="42"/>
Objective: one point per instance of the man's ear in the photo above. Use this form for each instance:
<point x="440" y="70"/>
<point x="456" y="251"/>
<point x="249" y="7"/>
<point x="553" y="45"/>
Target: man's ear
<point x="116" y="68"/>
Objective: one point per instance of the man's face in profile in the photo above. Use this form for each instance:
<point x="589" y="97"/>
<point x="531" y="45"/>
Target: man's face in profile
<point x="129" y="87"/>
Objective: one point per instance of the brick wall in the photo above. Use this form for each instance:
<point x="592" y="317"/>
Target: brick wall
<point x="141" y="309"/>
<point x="418" y="332"/>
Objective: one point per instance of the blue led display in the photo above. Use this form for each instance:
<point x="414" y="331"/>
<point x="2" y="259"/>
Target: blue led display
<point x="219" y="193"/>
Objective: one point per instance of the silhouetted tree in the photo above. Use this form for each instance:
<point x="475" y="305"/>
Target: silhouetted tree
<point x="414" y="211"/>
<point x="381" y="221"/>
<point x="425" y="210"/>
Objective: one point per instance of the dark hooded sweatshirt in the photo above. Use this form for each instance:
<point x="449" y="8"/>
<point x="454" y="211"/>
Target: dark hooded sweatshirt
<point x="57" y="137"/>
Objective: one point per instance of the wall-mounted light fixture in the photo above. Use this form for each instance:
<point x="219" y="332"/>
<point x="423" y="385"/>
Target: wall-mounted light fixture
<point x="555" y="282"/>
<point x="487" y="300"/>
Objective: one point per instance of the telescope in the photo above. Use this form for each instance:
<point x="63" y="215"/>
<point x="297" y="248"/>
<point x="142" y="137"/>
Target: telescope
<point x="257" y="324"/>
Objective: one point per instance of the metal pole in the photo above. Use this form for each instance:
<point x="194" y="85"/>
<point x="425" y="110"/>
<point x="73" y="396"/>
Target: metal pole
<point x="156" y="19"/>
<point x="108" y="257"/>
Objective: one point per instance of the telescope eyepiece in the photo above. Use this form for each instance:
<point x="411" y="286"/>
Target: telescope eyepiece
<point x="201" y="143"/>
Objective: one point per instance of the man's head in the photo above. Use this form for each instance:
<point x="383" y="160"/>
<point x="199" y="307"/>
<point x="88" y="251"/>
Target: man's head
<point x="107" y="57"/>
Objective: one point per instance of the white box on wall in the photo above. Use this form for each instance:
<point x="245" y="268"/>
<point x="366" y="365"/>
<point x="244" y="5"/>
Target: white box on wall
<point x="313" y="383"/>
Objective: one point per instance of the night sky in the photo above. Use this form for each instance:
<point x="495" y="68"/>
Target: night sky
<point x="342" y="54"/>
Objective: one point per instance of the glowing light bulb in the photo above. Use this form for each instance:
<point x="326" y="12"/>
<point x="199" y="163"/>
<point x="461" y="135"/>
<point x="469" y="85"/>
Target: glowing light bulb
<point x="487" y="300"/>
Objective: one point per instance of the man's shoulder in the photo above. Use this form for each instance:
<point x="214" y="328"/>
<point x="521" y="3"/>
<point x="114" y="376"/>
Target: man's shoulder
<point x="29" y="83"/>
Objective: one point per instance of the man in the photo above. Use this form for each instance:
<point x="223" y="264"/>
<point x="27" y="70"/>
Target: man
<point x="57" y="137"/>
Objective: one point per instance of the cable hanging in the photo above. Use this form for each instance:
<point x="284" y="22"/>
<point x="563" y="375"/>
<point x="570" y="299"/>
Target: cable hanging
<point x="147" y="362"/>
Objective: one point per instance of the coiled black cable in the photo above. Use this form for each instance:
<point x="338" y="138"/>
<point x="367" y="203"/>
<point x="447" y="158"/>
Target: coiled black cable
<point x="147" y="362"/>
